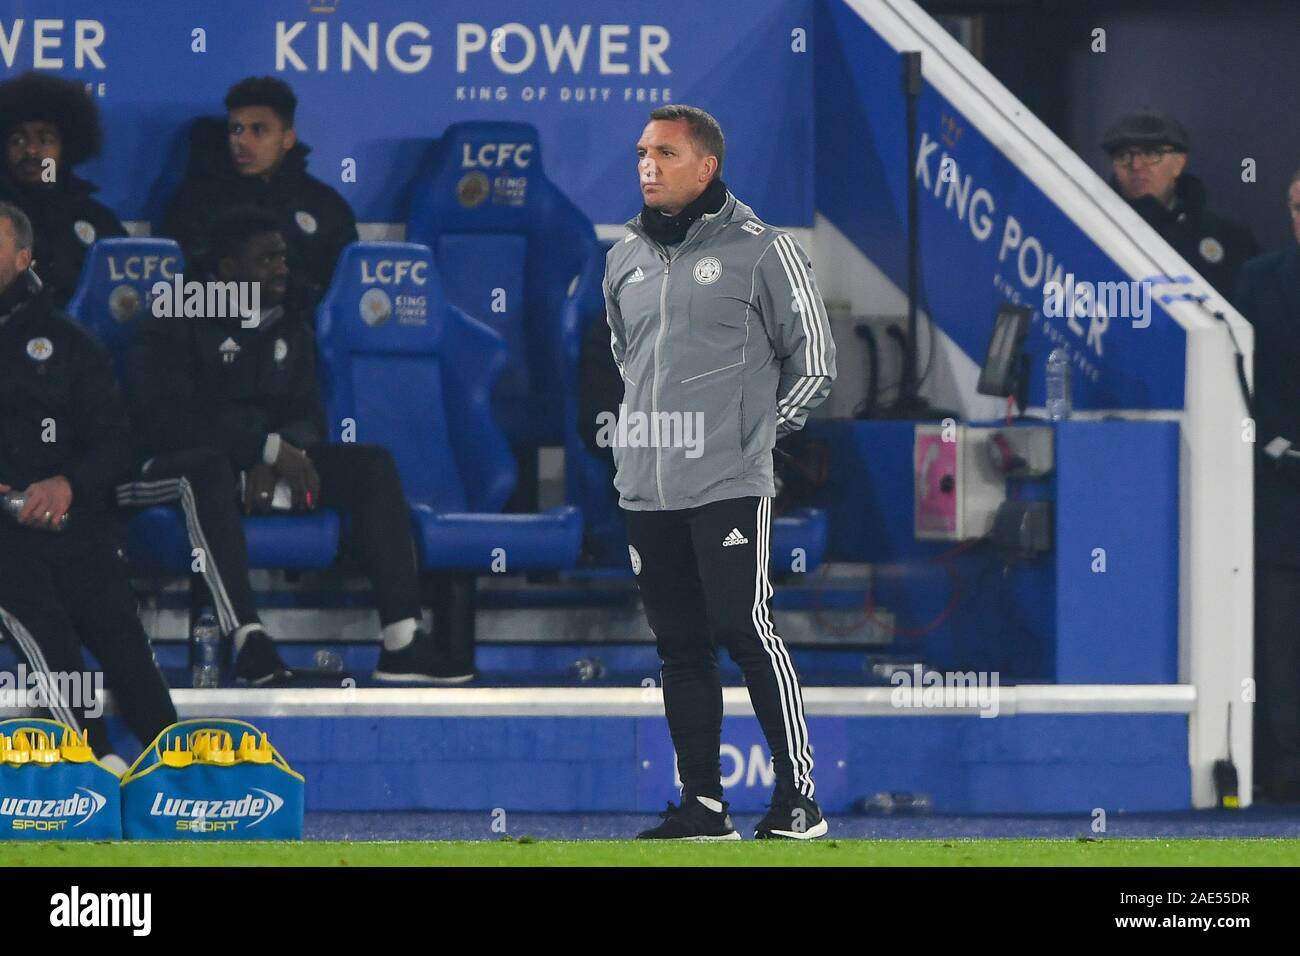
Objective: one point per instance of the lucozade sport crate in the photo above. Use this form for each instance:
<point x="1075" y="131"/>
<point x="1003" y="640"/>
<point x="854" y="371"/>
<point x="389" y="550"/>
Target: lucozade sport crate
<point x="51" y="785"/>
<point x="212" y="779"/>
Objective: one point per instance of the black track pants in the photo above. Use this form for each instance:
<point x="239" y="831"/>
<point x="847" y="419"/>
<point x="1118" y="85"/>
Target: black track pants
<point x="61" y="592"/>
<point x="359" y="480"/>
<point x="703" y="574"/>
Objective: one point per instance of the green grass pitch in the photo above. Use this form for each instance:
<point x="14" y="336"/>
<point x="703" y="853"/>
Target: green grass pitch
<point x="523" y="851"/>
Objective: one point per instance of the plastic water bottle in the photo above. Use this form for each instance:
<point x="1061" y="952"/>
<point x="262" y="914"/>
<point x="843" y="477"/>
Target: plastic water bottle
<point x="13" y="503"/>
<point x="895" y="802"/>
<point x="587" y="669"/>
<point x="207" y="651"/>
<point x="326" y="660"/>
<point x="1058" y="385"/>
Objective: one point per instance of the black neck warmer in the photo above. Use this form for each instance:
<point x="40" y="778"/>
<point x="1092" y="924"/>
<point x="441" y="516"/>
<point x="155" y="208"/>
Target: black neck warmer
<point x="670" y="230"/>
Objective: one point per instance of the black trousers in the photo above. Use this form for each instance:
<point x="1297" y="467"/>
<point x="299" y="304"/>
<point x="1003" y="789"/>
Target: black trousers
<point x="62" y="591"/>
<point x="359" y="480"/>
<point x="703" y="575"/>
<point x="1277" y="678"/>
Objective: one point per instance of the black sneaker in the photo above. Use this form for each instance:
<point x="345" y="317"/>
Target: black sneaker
<point x="258" y="662"/>
<point x="692" y="821"/>
<point x="420" y="663"/>
<point x="791" y="816"/>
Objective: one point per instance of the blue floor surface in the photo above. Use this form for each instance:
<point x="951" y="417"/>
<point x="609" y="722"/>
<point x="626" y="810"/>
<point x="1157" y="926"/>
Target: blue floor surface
<point x="1253" y="822"/>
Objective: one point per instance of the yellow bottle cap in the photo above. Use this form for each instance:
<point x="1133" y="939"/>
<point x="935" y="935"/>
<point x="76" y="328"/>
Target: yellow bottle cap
<point x="76" y="747"/>
<point x="175" y="754"/>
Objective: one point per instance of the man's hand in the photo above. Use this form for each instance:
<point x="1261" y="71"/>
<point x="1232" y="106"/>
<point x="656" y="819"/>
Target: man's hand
<point x="296" y="468"/>
<point x="47" y="502"/>
<point x="259" y="488"/>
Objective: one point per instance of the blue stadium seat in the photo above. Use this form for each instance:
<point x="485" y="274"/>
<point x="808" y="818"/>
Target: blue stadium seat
<point x="156" y="541"/>
<point x="508" y="244"/>
<point x="588" y="483"/>
<point x="115" y="290"/>
<point x="403" y="368"/>
<point x="803" y="528"/>
<point x="588" y="479"/>
<point x="116" y="287"/>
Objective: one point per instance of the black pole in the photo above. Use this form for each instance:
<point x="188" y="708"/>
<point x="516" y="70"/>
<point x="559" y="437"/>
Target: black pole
<point x="1022" y="385"/>
<point x="909" y="404"/>
<point x="911" y="91"/>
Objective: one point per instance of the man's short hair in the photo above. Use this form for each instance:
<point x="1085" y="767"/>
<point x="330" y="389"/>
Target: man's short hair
<point x="705" y="131"/>
<point x="264" y="91"/>
<point x="23" y="237"/>
<point x="234" y="228"/>
<point x="35" y="97"/>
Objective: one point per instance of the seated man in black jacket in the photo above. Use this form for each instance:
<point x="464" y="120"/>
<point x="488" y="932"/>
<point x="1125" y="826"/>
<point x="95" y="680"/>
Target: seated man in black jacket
<point x="254" y="158"/>
<point x="213" y="400"/>
<point x="49" y="125"/>
<point x="1148" y="155"/>
<point x="64" y="442"/>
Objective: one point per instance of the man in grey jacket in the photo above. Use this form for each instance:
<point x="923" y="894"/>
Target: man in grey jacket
<point x="723" y="344"/>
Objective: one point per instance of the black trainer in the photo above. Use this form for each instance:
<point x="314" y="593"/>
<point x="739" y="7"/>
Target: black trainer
<point x="258" y="663"/>
<point x="791" y="816"/>
<point x="420" y="662"/>
<point x="692" y="821"/>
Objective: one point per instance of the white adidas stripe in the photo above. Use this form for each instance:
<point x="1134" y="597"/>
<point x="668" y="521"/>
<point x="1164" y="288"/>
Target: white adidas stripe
<point x="174" y="490"/>
<point x="811" y="316"/>
<point x="804" y="750"/>
<point x="805" y="388"/>
<point x="810" y="312"/>
<point x="782" y="666"/>
<point x="803" y="779"/>
<point x="796" y="729"/>
<point x="31" y="649"/>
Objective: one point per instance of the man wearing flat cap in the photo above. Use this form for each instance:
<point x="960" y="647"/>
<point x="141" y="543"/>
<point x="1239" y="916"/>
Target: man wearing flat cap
<point x="47" y="126"/>
<point x="1148" y="154"/>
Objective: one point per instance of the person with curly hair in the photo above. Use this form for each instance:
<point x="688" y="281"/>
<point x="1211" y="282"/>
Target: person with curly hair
<point x="50" y="125"/>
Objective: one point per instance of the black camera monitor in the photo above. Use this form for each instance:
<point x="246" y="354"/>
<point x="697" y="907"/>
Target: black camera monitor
<point x="1001" y="370"/>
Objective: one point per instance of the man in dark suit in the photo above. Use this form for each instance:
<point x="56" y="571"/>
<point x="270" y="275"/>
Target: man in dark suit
<point x="1269" y="297"/>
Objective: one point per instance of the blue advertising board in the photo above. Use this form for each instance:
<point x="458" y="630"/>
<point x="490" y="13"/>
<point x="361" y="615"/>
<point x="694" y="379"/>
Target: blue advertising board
<point x="377" y="82"/>
<point x="988" y="233"/>
<point x="746" y="764"/>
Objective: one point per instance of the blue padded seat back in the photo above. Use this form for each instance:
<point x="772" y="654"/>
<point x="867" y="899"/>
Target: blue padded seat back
<point x="587" y="478"/>
<point x="484" y="205"/>
<point x="397" y="402"/>
<point x="399" y="363"/>
<point x="116" y="288"/>
<point x="483" y="274"/>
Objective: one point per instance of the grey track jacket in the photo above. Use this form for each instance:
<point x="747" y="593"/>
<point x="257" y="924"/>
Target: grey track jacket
<point x="724" y="346"/>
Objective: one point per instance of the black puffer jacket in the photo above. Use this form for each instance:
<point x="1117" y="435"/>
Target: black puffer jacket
<point x="210" y="383"/>
<point x="66" y="221"/>
<point x="315" y="220"/>
<point x="56" y="380"/>
<point x="1216" y="247"/>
